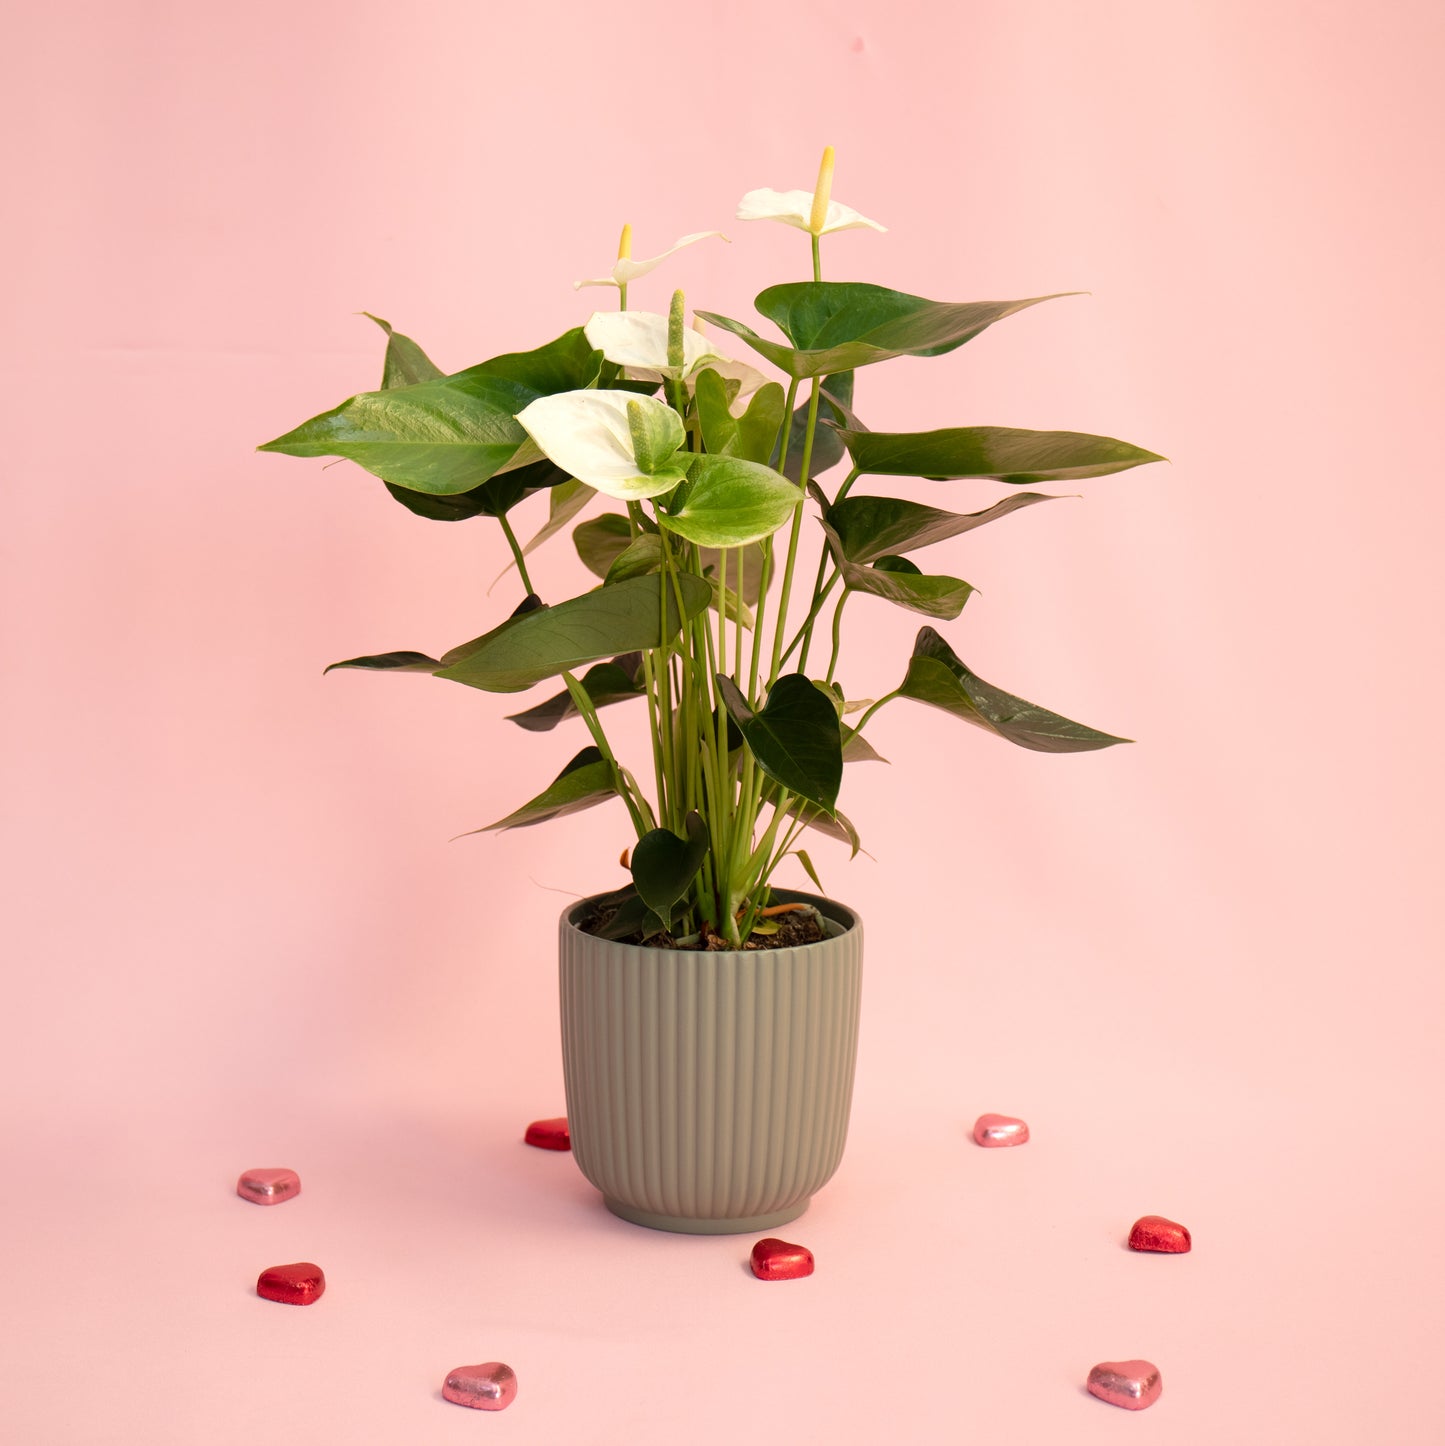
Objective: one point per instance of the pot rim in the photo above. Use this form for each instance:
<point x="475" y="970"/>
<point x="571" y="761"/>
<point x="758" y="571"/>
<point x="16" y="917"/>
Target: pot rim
<point x="844" y="915"/>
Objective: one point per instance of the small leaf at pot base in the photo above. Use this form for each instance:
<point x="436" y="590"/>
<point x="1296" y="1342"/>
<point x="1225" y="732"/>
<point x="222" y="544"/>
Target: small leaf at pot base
<point x="938" y="677"/>
<point x="664" y="865"/>
<point x="1005" y="454"/>
<point x="586" y="781"/>
<point x="795" y="736"/>
<point x="390" y="663"/>
<point x="604" y="684"/>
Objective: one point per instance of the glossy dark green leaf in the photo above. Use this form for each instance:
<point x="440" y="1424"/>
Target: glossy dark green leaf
<point x="451" y="434"/>
<point x="600" y="541"/>
<point x="889" y="563"/>
<point x="751" y="436"/>
<point x="631" y="915"/>
<point x="664" y="865"/>
<point x="729" y="502"/>
<point x="1006" y="454"/>
<point x="604" y="683"/>
<point x="835" y="326"/>
<point x="834" y="402"/>
<point x="390" y="663"/>
<point x="938" y="677"/>
<point x="619" y="619"/>
<point x="587" y="780"/>
<point x="494" y="498"/>
<point x="870" y="528"/>
<point x="405" y="363"/>
<point x="795" y="736"/>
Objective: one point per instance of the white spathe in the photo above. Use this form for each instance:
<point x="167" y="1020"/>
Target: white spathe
<point x="795" y="208"/>
<point x="588" y="435"/>
<point x="638" y="339"/>
<point x="627" y="269"/>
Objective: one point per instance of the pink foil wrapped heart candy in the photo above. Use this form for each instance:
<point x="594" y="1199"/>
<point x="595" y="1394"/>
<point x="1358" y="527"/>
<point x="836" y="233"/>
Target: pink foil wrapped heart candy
<point x="491" y="1386"/>
<point x="549" y="1134"/>
<point x="268" y="1187"/>
<point x="997" y="1131"/>
<point x="298" y="1284"/>
<point x="1160" y="1235"/>
<point x="1130" y="1384"/>
<point x="774" y="1259"/>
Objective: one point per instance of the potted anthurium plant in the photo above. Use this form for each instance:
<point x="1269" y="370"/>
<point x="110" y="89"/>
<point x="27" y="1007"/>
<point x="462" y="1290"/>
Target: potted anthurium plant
<point x="710" y="1017"/>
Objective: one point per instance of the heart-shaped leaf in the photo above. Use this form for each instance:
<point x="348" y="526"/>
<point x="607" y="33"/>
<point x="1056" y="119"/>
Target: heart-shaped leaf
<point x="1006" y="454"/>
<point x="604" y="683"/>
<point x="621" y="619"/>
<point x="390" y="663"/>
<point x="870" y="528"/>
<point x="729" y="502"/>
<point x="938" y="677"/>
<point x="795" y="736"/>
<point x="405" y="362"/>
<point x="450" y="434"/>
<point x="664" y="865"/>
<point x="586" y="780"/>
<point x="600" y="541"/>
<point x="751" y="436"/>
<point x="835" y="326"/>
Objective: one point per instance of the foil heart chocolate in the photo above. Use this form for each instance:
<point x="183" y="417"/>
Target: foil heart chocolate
<point x="491" y="1386"/>
<point x="268" y="1187"/>
<point x="774" y="1259"/>
<point x="298" y="1284"/>
<point x="1130" y="1384"/>
<point x="549" y="1134"/>
<point x="1164" y="1236"/>
<point x="995" y="1131"/>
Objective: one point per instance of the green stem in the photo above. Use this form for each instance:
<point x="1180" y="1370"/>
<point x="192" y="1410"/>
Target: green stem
<point x="817" y="260"/>
<point x="837" y="633"/>
<point x="804" y="633"/>
<point x="516" y="552"/>
<point x="886" y="698"/>
<point x="583" y="704"/>
<point x="782" y="620"/>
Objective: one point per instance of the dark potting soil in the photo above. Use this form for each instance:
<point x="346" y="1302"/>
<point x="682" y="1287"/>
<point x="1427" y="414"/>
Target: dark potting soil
<point x="796" y="927"/>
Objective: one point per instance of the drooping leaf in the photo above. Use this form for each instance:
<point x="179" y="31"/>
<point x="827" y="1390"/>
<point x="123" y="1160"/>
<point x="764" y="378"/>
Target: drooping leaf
<point x="664" y="865"/>
<point x="1006" y="454"/>
<point x="870" y="528"/>
<point x="619" y="619"/>
<point x="390" y="663"/>
<point x="835" y="326"/>
<point x="795" y="736"/>
<point x="450" y="434"/>
<point x="604" y="683"/>
<point x="938" y="677"/>
<point x="494" y="498"/>
<point x="729" y="502"/>
<point x="405" y="362"/>
<point x="812" y="873"/>
<point x="587" y="780"/>
<point x="835" y="825"/>
<point x="857" y="749"/>
<point x="835" y="398"/>
<point x="600" y="541"/>
<point x="751" y="436"/>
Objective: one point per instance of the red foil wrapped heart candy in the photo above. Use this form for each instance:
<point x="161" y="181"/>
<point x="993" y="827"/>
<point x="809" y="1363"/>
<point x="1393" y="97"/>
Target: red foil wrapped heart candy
<point x="298" y="1284"/>
<point x="549" y="1134"/>
<point x="775" y="1259"/>
<point x="1161" y="1235"/>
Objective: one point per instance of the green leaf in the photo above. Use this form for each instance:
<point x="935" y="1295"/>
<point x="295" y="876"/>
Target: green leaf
<point x="871" y="528"/>
<point x="730" y="502"/>
<point x="808" y="869"/>
<point x="1007" y="454"/>
<point x="390" y="663"/>
<point x="857" y="749"/>
<point x="618" y="619"/>
<point x="835" y="825"/>
<point x="753" y="558"/>
<point x="451" y="434"/>
<point x="601" y="541"/>
<point x="494" y="498"/>
<point x="664" y="865"/>
<point x="604" y="683"/>
<point x="936" y="676"/>
<point x="835" y="326"/>
<point x="752" y="436"/>
<point x="586" y="780"/>
<point x="795" y="737"/>
<point x="632" y="916"/>
<point x="835" y="398"/>
<point x="641" y="556"/>
<point x="405" y="363"/>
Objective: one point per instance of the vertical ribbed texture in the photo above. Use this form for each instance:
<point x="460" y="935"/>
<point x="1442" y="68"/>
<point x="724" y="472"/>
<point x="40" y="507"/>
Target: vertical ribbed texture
<point x="710" y="1087"/>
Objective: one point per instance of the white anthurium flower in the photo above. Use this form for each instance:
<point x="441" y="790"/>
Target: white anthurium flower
<point x="795" y="208"/>
<point x="599" y="437"/>
<point x="627" y="269"/>
<point x="637" y="340"/>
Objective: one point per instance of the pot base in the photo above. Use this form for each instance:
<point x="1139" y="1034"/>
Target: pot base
<point x="682" y="1225"/>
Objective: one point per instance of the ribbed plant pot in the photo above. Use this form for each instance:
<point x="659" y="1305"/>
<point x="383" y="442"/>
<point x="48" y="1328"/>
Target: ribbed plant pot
<point x="709" y="1093"/>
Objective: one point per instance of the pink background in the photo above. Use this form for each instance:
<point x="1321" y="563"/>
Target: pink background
<point x="1206" y="968"/>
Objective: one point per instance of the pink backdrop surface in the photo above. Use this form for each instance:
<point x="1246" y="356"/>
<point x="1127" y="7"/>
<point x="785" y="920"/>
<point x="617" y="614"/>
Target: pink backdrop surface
<point x="1206" y="968"/>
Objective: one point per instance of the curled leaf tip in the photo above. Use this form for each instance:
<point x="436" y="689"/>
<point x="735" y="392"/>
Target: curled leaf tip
<point x="822" y="193"/>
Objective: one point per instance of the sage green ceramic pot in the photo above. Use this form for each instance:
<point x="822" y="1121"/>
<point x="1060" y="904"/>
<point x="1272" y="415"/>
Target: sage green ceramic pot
<point x="709" y="1093"/>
